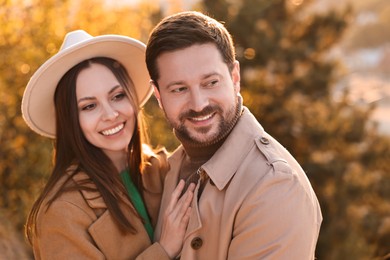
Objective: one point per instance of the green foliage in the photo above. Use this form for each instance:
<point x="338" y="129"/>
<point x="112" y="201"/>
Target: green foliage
<point x="287" y="82"/>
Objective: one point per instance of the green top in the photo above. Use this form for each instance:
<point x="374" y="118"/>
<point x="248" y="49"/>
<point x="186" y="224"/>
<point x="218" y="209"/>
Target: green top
<point x="138" y="203"/>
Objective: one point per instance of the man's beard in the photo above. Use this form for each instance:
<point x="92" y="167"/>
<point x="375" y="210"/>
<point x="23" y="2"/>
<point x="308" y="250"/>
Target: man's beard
<point x="225" y="124"/>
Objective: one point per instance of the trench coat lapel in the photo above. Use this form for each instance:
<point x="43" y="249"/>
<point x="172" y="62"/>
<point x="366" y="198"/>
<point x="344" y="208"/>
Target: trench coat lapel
<point x="195" y="220"/>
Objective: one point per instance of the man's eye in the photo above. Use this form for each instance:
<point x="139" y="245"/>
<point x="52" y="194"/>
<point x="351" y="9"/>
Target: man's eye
<point x="178" y="90"/>
<point x="212" y="83"/>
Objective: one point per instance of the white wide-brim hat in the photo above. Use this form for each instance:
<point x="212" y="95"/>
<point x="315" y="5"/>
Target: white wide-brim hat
<point x="38" y="100"/>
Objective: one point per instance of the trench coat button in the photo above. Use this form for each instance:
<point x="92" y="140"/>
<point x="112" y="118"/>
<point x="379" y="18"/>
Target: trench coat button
<point x="264" y="140"/>
<point x="211" y="182"/>
<point x="196" y="243"/>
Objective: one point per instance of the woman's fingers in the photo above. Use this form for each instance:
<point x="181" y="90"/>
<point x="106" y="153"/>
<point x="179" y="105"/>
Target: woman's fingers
<point x="185" y="209"/>
<point x="180" y="208"/>
<point x="176" y="219"/>
<point x="186" y="217"/>
<point x="175" y="196"/>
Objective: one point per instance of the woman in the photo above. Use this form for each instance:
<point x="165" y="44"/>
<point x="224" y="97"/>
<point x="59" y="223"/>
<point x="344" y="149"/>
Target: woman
<point x="102" y="198"/>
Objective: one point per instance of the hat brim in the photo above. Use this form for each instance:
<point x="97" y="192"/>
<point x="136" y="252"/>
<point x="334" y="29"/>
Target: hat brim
<point x="38" y="99"/>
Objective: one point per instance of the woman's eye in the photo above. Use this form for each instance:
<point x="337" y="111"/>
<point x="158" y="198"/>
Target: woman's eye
<point x="119" y="96"/>
<point x="88" y="107"/>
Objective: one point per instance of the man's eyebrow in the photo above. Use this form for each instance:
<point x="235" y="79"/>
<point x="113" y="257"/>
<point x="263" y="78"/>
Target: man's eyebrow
<point x="211" y="74"/>
<point x="174" y="83"/>
<point x="181" y="82"/>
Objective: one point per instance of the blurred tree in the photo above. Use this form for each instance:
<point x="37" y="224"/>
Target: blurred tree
<point x="370" y="28"/>
<point x="31" y="32"/>
<point x="287" y="83"/>
<point x="11" y="242"/>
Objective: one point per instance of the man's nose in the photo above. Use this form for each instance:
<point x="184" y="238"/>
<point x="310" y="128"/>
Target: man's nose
<point x="199" y="100"/>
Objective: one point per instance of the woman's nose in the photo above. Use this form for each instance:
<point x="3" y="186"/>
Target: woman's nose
<point x="110" y="113"/>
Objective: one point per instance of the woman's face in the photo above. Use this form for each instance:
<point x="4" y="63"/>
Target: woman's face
<point x="106" y="115"/>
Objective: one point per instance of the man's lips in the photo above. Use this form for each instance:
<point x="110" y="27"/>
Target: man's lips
<point x="201" y="118"/>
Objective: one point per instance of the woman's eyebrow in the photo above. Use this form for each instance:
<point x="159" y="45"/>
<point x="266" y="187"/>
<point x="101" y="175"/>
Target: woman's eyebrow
<point x="91" y="98"/>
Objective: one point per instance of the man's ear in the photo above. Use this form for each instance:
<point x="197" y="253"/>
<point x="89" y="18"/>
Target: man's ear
<point x="156" y="93"/>
<point x="236" y="76"/>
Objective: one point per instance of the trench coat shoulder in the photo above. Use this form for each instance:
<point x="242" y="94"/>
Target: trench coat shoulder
<point x="279" y="205"/>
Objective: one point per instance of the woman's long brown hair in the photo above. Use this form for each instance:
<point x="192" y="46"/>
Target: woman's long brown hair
<point x="72" y="148"/>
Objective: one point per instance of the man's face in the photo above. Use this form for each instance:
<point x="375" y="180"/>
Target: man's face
<point x="197" y="92"/>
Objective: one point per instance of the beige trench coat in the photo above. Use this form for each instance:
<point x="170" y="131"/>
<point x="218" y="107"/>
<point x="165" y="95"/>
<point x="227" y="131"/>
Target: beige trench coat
<point x="78" y="225"/>
<point x="257" y="204"/>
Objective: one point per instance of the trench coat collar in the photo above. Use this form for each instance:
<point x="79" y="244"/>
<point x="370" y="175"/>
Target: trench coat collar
<point x="225" y="162"/>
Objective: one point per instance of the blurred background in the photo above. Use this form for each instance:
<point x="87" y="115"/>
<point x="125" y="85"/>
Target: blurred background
<point x="316" y="74"/>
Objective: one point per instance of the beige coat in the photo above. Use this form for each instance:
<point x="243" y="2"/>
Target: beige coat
<point x="257" y="204"/>
<point x="78" y="225"/>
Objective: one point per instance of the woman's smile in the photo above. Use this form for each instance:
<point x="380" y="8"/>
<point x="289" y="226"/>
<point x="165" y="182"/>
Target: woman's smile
<point x="114" y="130"/>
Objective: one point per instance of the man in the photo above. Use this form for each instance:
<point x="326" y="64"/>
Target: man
<point x="253" y="200"/>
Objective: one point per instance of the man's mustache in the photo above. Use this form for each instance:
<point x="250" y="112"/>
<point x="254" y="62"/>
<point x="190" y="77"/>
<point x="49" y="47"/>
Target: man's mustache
<point x="205" y="111"/>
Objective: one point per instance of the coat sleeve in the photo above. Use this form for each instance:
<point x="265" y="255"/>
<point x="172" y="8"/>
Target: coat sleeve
<point x="279" y="219"/>
<point x="62" y="233"/>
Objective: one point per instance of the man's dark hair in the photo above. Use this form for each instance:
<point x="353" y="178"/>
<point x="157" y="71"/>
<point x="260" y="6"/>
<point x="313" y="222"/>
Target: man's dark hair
<point x="183" y="30"/>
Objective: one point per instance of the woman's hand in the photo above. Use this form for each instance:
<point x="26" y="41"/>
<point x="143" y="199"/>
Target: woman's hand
<point x="175" y="220"/>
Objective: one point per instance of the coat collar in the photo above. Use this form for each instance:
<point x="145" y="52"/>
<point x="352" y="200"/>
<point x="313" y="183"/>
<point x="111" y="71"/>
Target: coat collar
<point x="225" y="162"/>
